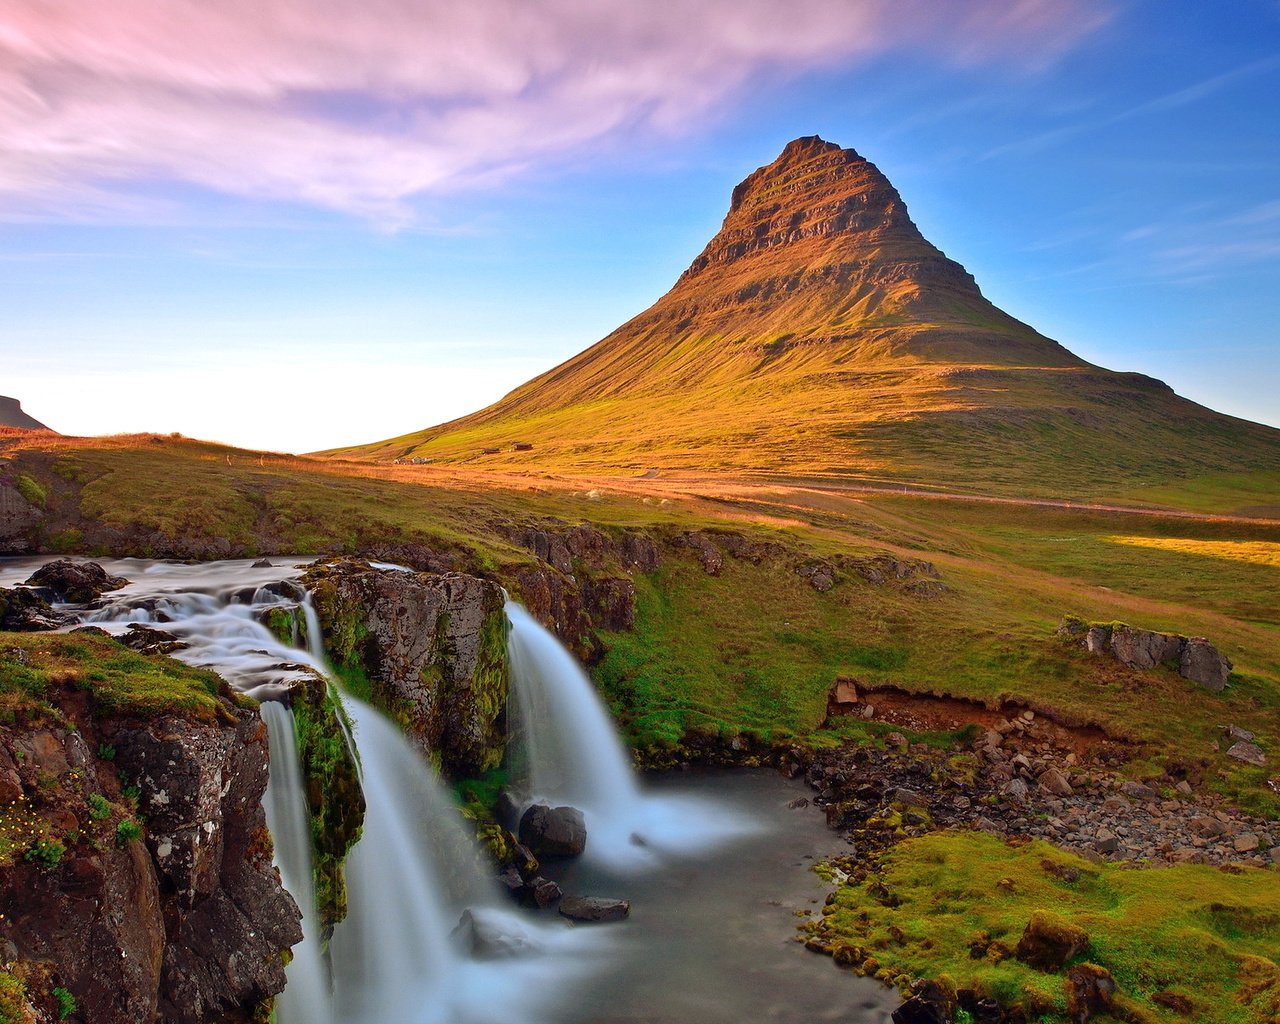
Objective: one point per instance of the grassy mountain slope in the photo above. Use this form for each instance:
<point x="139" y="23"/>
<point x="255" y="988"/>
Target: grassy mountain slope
<point x="819" y="333"/>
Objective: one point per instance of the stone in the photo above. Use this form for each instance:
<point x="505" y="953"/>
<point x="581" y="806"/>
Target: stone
<point x="1275" y="855"/>
<point x="1015" y="791"/>
<point x="594" y="909"/>
<point x="1234" y="732"/>
<point x="545" y="892"/>
<point x="1246" y="843"/>
<point x="263" y="563"/>
<point x="797" y="803"/>
<point x="1249" y="753"/>
<point x="1098" y="639"/>
<point x="553" y="831"/>
<point x="24" y="610"/>
<point x="1106" y="841"/>
<point x="929" y="1003"/>
<point x="903" y="795"/>
<point x="1053" y="781"/>
<point x="1137" y="791"/>
<point x="491" y="938"/>
<point x="1184" y="787"/>
<point x="1090" y="991"/>
<point x="75" y="582"/>
<point x="1048" y="942"/>
<point x="1143" y="648"/>
<point x="1202" y="663"/>
<point x="844" y="692"/>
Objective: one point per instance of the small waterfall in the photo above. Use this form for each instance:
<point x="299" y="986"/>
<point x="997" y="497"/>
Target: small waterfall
<point x="573" y="751"/>
<point x="306" y="997"/>
<point x="573" y="755"/>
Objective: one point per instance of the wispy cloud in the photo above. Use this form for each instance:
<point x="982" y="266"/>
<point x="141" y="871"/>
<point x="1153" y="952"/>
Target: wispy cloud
<point x="361" y="105"/>
<point x="1159" y="104"/>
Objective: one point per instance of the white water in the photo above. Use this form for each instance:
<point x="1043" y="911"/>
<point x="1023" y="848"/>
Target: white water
<point x="306" y="997"/>
<point x="573" y="755"/>
<point x="399" y="955"/>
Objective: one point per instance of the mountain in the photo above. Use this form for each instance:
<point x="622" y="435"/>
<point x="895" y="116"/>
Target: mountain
<point x="11" y="415"/>
<point x="820" y="333"/>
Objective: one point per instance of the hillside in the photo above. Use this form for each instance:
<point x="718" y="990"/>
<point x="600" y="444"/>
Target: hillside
<point x="11" y="415"/>
<point x="820" y="333"/>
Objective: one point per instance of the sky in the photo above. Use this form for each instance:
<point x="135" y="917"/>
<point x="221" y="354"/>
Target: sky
<point x="296" y="224"/>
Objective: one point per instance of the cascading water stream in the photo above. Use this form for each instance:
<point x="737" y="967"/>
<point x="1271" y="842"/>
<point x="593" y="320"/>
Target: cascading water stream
<point x="306" y="997"/>
<point x="573" y="755"/>
<point x="401" y="954"/>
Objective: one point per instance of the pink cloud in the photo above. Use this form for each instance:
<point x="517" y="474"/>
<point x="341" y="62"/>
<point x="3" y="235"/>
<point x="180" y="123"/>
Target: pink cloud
<point x="360" y="105"/>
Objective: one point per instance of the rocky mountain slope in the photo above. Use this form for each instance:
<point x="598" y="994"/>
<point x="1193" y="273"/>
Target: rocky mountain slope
<point x="11" y="415"/>
<point x="819" y="332"/>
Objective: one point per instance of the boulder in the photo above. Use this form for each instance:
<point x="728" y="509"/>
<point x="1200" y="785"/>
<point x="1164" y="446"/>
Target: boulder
<point x="594" y="909"/>
<point x="1249" y="753"/>
<point x="1144" y="648"/>
<point x="929" y="1003"/>
<point x="1202" y="663"/>
<point x="553" y="831"/>
<point x="75" y="582"/>
<point x="23" y="610"/>
<point x="1048" y="942"/>
<point x="491" y="938"/>
<point x="1090" y="991"/>
<point x="17" y="516"/>
<point x="1053" y="781"/>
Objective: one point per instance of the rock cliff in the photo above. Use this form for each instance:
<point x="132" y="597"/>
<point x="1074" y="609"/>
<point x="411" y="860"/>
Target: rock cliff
<point x="136" y="878"/>
<point x="429" y="648"/>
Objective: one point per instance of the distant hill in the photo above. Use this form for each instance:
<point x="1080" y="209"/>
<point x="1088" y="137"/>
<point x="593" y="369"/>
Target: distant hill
<point x="11" y="415"/>
<point x="820" y="333"/>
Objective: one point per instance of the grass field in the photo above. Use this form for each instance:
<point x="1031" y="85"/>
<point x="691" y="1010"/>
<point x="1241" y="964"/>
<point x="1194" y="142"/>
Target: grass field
<point x="755" y="649"/>
<point x="1183" y="943"/>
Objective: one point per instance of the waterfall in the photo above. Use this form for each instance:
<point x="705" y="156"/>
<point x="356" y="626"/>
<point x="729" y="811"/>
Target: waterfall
<point x="403" y="953"/>
<point x="306" y="996"/>
<point x="573" y="752"/>
<point x="573" y="755"/>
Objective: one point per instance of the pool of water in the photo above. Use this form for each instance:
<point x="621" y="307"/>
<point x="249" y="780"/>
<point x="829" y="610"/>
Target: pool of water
<point x="711" y="937"/>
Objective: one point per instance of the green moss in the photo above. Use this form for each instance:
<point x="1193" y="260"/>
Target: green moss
<point x="490" y="686"/>
<point x="31" y="490"/>
<point x="14" y="1008"/>
<point x="334" y="797"/>
<point x="66" y="1003"/>
<point x="956" y="903"/>
<point x="117" y="680"/>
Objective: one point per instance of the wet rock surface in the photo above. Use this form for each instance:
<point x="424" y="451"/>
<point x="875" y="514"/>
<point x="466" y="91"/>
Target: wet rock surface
<point x="75" y="582"/>
<point x="433" y="648"/>
<point x="553" y="831"/>
<point x="594" y="909"/>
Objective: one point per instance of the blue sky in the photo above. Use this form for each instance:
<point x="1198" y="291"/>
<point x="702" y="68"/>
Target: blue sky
<point x="290" y="232"/>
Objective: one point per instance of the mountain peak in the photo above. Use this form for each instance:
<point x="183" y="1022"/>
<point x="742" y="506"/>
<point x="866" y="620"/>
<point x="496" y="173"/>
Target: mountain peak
<point x="11" y="415"/>
<point x="824" y="206"/>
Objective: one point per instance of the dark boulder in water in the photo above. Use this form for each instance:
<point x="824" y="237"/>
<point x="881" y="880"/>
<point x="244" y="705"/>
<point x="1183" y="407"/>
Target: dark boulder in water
<point x="23" y="610"/>
<point x="553" y="831"/>
<point x="76" y="582"/>
<point x="594" y="909"/>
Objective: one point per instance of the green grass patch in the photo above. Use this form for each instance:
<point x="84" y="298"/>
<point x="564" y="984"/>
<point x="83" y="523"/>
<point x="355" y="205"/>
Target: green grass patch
<point x="117" y="680"/>
<point x="956" y="903"/>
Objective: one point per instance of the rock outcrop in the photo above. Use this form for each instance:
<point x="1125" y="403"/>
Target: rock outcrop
<point x="1194" y="658"/>
<point x="12" y="415"/>
<point x="18" y="517"/>
<point x="184" y="921"/>
<point x="432" y="648"/>
<point x="74" y="582"/>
